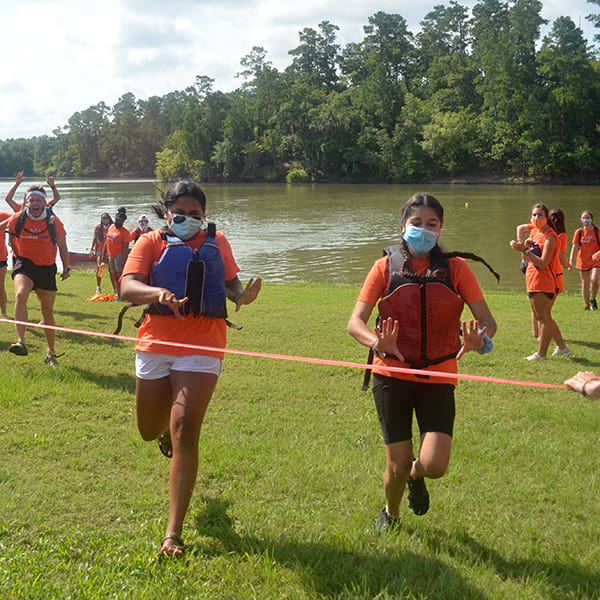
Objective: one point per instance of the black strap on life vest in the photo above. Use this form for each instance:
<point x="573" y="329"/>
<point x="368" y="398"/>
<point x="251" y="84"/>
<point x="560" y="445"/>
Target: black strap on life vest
<point x="50" y="226"/>
<point x="580" y="233"/>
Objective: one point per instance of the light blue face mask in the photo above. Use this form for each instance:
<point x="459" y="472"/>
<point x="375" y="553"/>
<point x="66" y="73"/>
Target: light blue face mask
<point x="420" y="240"/>
<point x="185" y="227"/>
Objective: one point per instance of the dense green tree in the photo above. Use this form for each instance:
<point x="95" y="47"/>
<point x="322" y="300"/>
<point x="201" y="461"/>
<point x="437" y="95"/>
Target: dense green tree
<point x="469" y="93"/>
<point x="317" y="56"/>
<point x="572" y="86"/>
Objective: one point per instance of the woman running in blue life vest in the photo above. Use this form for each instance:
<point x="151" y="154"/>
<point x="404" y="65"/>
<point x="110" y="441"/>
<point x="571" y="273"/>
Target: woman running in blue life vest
<point x="556" y="220"/>
<point x="97" y="248"/>
<point x="183" y="273"/>
<point x="541" y="280"/>
<point x="420" y="290"/>
<point x="585" y="254"/>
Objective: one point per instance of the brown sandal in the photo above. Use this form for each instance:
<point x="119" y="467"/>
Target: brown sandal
<point x="165" y="445"/>
<point x="177" y="549"/>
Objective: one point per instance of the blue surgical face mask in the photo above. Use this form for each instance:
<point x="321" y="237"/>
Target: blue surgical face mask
<point x="422" y="241"/>
<point x="185" y="227"/>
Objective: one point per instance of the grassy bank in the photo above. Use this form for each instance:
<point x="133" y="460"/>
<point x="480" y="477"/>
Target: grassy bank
<point x="290" y="471"/>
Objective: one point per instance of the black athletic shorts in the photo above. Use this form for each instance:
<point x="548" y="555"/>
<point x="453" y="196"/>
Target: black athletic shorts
<point x="530" y="295"/>
<point x="43" y="276"/>
<point x="3" y="263"/>
<point x="396" y="399"/>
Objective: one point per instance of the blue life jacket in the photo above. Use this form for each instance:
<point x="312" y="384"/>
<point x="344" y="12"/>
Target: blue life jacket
<point x="198" y="274"/>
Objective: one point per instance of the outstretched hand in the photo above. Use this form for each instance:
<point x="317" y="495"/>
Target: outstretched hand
<point x="472" y="337"/>
<point x="19" y="177"/>
<point x="387" y="336"/>
<point x="250" y="293"/>
<point x="169" y="299"/>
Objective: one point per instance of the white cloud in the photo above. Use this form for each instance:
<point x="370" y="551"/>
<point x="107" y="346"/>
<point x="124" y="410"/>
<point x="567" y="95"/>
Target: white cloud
<point x="62" y="56"/>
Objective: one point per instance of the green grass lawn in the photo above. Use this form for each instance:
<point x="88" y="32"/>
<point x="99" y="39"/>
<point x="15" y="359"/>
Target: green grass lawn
<point x="291" y="460"/>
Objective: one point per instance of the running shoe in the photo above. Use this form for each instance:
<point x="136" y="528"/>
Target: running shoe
<point x="594" y="304"/>
<point x="19" y="348"/>
<point x="384" y="522"/>
<point x="418" y="497"/>
<point x="586" y="307"/>
<point x="536" y="356"/>
<point x="566" y="351"/>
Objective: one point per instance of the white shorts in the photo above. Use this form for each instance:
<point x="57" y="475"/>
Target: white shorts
<point x="150" y="365"/>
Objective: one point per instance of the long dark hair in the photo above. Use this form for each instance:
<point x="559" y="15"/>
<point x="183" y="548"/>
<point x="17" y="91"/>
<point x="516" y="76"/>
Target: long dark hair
<point x="422" y="200"/>
<point x="557" y="220"/>
<point x="181" y="188"/>
<point x="99" y="229"/>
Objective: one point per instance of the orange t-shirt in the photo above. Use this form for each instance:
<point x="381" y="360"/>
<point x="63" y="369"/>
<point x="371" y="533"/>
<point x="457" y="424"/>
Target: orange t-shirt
<point x="557" y="267"/>
<point x="3" y="249"/>
<point x="99" y="244"/>
<point x="202" y="331"/>
<point x="115" y="240"/>
<point x="588" y="245"/>
<point x="34" y="242"/>
<point x="375" y="286"/>
<point x="542" y="280"/>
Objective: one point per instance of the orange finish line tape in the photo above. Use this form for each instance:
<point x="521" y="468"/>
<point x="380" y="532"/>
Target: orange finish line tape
<point x="317" y="361"/>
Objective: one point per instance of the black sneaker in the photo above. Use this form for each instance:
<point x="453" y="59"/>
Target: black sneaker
<point x="594" y="304"/>
<point x="384" y="522"/>
<point x="418" y="497"/>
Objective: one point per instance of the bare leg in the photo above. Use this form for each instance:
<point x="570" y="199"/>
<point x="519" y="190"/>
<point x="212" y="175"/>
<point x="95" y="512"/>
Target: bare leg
<point x="542" y="306"/>
<point x="585" y="286"/>
<point x="178" y="403"/>
<point x="434" y="456"/>
<point x="3" y="299"/>
<point x="399" y="456"/>
<point x="23" y="286"/>
<point x="46" y="298"/>
<point x="191" y="394"/>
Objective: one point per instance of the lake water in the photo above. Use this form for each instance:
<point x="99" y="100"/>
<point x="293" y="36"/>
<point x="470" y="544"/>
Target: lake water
<point x="332" y="233"/>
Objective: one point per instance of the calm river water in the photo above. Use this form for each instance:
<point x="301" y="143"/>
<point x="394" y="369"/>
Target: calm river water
<point x="331" y="233"/>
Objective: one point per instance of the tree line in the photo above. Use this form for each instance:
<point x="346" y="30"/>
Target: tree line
<point x="479" y="93"/>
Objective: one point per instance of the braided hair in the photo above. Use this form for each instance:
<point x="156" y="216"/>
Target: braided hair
<point x="419" y="200"/>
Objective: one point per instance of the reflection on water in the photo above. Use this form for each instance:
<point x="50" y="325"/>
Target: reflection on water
<point x="332" y="233"/>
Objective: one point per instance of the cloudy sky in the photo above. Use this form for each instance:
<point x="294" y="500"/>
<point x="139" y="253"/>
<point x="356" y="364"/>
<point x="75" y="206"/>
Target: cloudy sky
<point x="61" y="56"/>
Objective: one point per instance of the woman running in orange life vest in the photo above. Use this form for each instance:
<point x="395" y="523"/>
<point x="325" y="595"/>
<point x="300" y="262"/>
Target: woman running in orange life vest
<point x="540" y="251"/>
<point x="421" y="291"/>
<point x="174" y="384"/>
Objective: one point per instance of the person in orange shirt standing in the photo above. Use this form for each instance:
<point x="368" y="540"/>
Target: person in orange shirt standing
<point x="420" y="290"/>
<point x="116" y="248"/>
<point x="541" y="251"/>
<point x="97" y="247"/>
<point x="586" y="249"/>
<point x="556" y="220"/>
<point x="183" y="273"/>
<point x="35" y="235"/>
